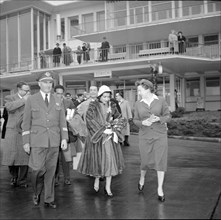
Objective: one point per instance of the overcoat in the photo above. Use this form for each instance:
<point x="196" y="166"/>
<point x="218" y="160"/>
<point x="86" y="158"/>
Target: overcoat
<point x="13" y="152"/>
<point x="126" y="113"/>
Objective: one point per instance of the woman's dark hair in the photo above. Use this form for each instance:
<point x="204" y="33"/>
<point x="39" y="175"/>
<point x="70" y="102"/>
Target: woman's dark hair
<point x="146" y="84"/>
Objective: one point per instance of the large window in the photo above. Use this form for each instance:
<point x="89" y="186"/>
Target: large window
<point x="13" y="39"/>
<point x="192" y="7"/>
<point x="100" y="21"/>
<point x="213" y="86"/>
<point x="3" y="60"/>
<point x="25" y="38"/>
<point x="74" y="26"/>
<point x="193" y="87"/>
<point x="88" y="23"/>
<point x="161" y="10"/>
<point x="211" y="39"/>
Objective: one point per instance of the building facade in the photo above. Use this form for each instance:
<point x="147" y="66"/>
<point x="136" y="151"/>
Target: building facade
<point x="137" y="32"/>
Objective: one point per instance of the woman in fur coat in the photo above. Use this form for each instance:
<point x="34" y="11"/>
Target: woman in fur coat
<point x="102" y="155"/>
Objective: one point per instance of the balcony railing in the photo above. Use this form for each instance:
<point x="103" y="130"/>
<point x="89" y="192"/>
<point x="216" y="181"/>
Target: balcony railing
<point x="141" y="15"/>
<point x="115" y="54"/>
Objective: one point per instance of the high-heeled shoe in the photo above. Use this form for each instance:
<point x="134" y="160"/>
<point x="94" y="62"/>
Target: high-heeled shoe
<point x="96" y="189"/>
<point x="108" y="194"/>
<point x="140" y="187"/>
<point x="161" y="198"/>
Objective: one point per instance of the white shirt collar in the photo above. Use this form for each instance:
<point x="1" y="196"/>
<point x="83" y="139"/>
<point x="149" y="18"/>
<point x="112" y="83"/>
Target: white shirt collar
<point x="43" y="95"/>
<point x="154" y="97"/>
<point x="19" y="96"/>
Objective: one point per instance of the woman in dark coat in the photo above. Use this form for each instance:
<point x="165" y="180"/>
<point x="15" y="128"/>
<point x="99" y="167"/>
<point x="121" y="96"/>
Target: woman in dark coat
<point x="102" y="155"/>
<point x="181" y="42"/>
<point x="151" y="115"/>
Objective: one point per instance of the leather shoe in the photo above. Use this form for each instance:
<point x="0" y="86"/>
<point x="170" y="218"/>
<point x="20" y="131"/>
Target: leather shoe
<point x="50" y="205"/>
<point x="36" y="199"/>
<point x="140" y="187"/>
<point x="161" y="198"/>
<point x="67" y="182"/>
<point x="110" y="195"/>
<point x="13" y="182"/>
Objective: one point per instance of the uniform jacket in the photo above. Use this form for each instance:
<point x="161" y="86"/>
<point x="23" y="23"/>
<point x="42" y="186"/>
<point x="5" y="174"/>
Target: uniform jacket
<point x="43" y="125"/>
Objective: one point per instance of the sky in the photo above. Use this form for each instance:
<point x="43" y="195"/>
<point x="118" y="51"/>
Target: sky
<point x="60" y="2"/>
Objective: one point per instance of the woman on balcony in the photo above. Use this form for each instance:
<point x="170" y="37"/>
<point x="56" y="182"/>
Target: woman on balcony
<point x="151" y="115"/>
<point x="181" y="42"/>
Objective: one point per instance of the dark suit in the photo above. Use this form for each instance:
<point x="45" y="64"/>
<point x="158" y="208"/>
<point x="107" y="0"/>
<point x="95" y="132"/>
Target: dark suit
<point x="105" y="49"/>
<point x="67" y="103"/>
<point x="43" y="128"/>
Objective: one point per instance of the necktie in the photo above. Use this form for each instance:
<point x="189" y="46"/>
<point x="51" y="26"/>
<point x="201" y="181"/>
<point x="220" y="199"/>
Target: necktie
<point x="46" y="99"/>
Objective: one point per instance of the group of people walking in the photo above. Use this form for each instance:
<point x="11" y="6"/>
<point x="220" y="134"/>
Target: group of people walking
<point x="38" y="130"/>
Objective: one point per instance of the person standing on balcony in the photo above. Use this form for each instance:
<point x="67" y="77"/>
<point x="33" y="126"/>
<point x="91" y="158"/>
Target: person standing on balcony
<point x="67" y="55"/>
<point x="86" y="52"/>
<point x="173" y="42"/>
<point x="151" y="115"/>
<point x="14" y="155"/>
<point x="79" y="54"/>
<point x="181" y="42"/>
<point x="57" y="55"/>
<point x="105" y="46"/>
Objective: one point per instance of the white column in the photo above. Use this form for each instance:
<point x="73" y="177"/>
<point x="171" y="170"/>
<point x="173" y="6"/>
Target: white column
<point x="172" y="97"/>
<point x="128" y="13"/>
<point x="202" y="88"/>
<point x="44" y="33"/>
<point x="32" y="39"/>
<point x="150" y="11"/>
<point x="205" y="5"/>
<point x="7" y="53"/>
<point x="58" y="24"/>
<point x="38" y="39"/>
<point x="19" y="41"/>
<point x="180" y="5"/>
<point x="60" y="78"/>
<point x="183" y="93"/>
<point x="95" y="22"/>
<point x="173" y="9"/>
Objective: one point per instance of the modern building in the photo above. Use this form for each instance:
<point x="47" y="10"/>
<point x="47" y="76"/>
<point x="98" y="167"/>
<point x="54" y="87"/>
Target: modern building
<point x="137" y="32"/>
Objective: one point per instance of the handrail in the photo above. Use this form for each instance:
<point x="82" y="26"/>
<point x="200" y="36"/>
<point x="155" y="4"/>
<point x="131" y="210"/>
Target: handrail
<point x="44" y="61"/>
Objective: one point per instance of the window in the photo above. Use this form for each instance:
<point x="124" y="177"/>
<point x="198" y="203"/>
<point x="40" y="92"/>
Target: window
<point x="211" y="39"/>
<point x="74" y="26"/>
<point x="192" y="87"/>
<point x="161" y="10"/>
<point x="192" y="42"/>
<point x="119" y="49"/>
<point x="88" y="24"/>
<point x="192" y="7"/>
<point x="213" y="86"/>
<point x="100" y="21"/>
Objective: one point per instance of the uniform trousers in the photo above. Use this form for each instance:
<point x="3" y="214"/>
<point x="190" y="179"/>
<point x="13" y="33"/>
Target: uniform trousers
<point x="43" y="162"/>
<point x="19" y="173"/>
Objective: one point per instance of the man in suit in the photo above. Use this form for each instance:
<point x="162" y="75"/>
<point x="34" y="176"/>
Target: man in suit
<point x="57" y="55"/>
<point x="126" y="113"/>
<point x="13" y="153"/>
<point x="104" y="49"/>
<point x="68" y="104"/>
<point x="44" y="130"/>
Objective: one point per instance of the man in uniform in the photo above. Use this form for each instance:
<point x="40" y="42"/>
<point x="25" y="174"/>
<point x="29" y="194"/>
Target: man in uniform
<point x="13" y="152"/>
<point x="126" y="113"/>
<point x="44" y="130"/>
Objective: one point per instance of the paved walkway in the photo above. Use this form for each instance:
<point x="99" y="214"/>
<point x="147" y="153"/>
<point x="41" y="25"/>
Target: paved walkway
<point x="192" y="188"/>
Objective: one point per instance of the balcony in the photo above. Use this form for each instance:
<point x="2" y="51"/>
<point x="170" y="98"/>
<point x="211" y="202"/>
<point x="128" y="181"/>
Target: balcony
<point x="116" y="54"/>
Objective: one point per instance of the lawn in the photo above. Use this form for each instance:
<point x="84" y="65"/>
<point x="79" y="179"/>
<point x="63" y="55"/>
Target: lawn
<point x="197" y="124"/>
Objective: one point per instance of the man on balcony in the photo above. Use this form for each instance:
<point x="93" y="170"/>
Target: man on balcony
<point x="104" y="49"/>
